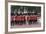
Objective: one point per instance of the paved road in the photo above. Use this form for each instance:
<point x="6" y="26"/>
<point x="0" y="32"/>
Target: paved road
<point x="27" y="26"/>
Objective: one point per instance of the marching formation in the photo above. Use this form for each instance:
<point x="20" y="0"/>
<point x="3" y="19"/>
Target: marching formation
<point x="24" y="15"/>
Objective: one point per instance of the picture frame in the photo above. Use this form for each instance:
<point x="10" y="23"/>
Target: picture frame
<point x="26" y="4"/>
